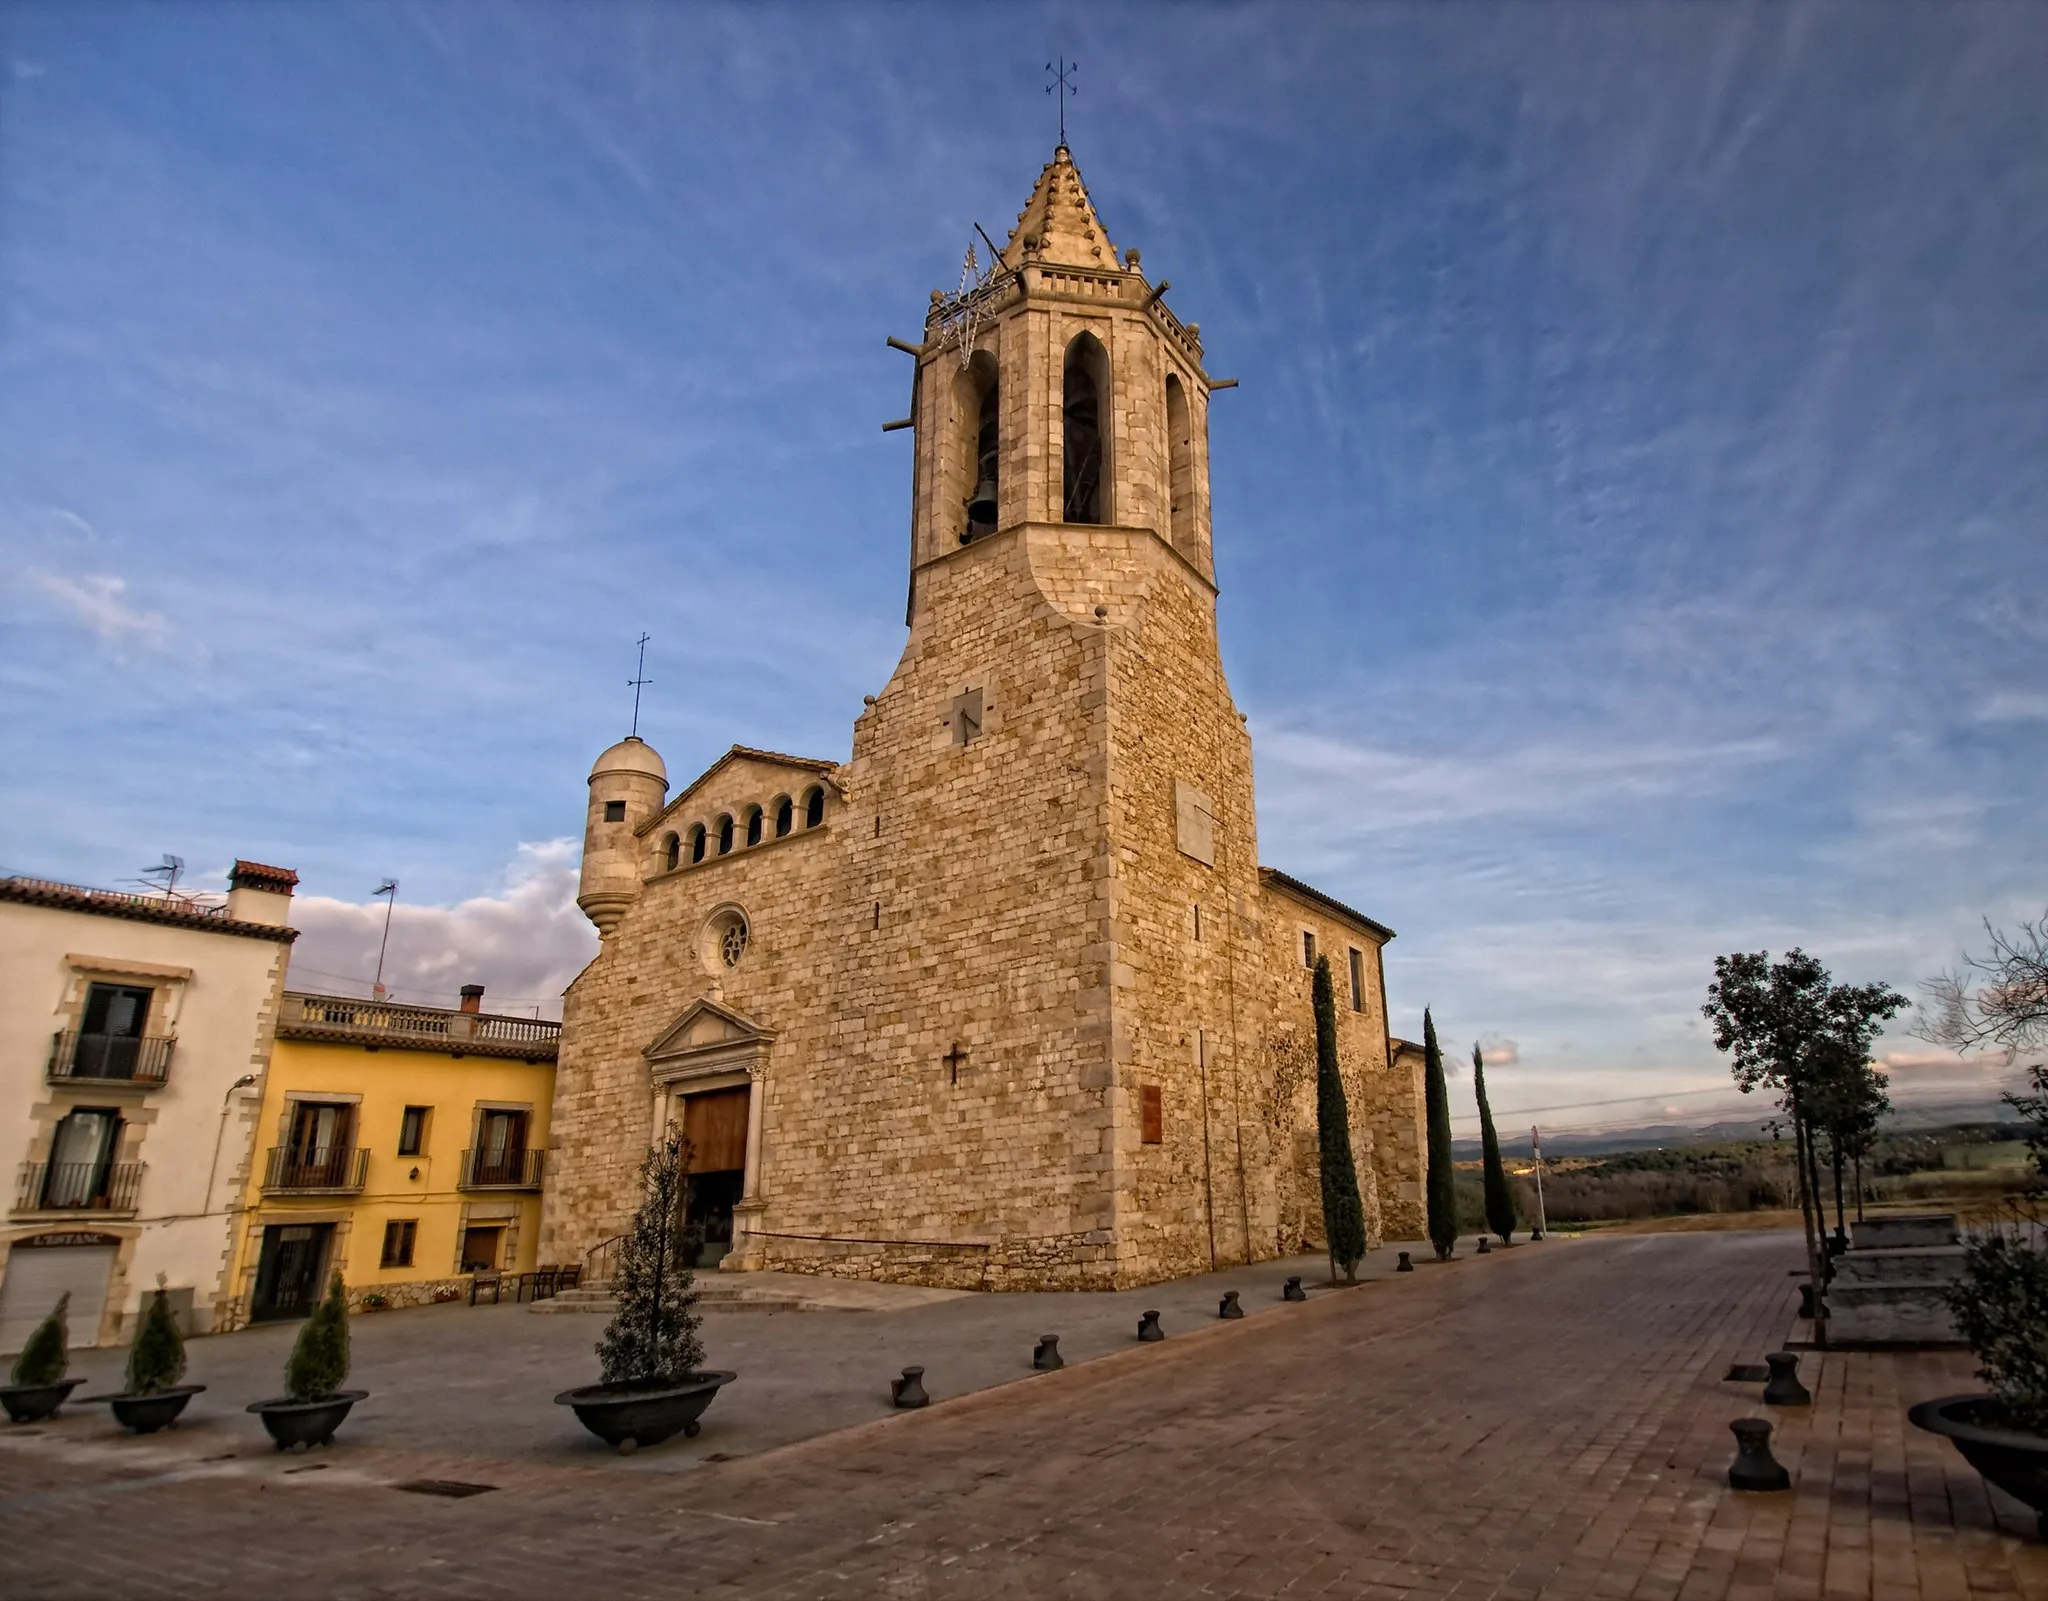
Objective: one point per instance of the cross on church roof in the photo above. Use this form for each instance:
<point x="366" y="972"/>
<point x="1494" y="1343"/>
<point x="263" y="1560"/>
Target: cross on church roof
<point x="1060" y="86"/>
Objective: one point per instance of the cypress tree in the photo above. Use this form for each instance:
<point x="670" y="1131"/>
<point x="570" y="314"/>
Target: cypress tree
<point x="1500" y="1200"/>
<point x="1343" y="1210"/>
<point x="156" y="1360"/>
<point x="652" y="1339"/>
<point x="1442" y="1188"/>
<point x="46" y="1356"/>
<point x="319" y="1359"/>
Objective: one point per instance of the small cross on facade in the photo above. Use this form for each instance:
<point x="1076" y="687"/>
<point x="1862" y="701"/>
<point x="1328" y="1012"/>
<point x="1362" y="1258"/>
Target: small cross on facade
<point x="955" y="1059"/>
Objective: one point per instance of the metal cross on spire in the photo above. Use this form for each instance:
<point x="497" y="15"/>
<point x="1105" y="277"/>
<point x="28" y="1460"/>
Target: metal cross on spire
<point x="1059" y="84"/>
<point x="639" y="678"/>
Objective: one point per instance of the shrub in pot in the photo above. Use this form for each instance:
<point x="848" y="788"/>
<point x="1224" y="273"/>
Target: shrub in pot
<point x="654" y="1384"/>
<point x="156" y="1362"/>
<point x="37" y="1387"/>
<point x="314" y="1403"/>
<point x="2001" y="1308"/>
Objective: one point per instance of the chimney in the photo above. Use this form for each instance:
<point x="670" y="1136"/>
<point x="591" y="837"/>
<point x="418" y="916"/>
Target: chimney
<point x="259" y="894"/>
<point x="472" y="997"/>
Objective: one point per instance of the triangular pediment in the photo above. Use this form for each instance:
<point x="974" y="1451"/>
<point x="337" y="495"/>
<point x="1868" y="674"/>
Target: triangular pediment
<point x="705" y="1026"/>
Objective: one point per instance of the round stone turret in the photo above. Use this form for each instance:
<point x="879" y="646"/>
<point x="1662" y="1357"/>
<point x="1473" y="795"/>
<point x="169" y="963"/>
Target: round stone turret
<point x="627" y="786"/>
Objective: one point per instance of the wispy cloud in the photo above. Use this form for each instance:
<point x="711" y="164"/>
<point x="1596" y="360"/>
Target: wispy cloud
<point x="98" y="601"/>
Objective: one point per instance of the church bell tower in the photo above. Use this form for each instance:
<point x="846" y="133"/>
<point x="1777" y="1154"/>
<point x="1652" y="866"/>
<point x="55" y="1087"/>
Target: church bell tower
<point x="1057" y="388"/>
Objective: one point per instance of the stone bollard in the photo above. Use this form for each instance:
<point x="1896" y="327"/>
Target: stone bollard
<point x="1404" y="1265"/>
<point x="1806" y="1300"/>
<point x="1228" y="1307"/>
<point x="1149" y="1329"/>
<point x="1754" y="1467"/>
<point x="1784" y="1388"/>
<point x="1292" y="1290"/>
<point x="1047" y="1355"/>
<point x="908" y="1391"/>
<point x="1535" y="1234"/>
<point x="1485" y="1245"/>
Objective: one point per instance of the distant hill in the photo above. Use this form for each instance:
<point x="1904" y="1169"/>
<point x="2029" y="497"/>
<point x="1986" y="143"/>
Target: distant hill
<point x="1649" y="1136"/>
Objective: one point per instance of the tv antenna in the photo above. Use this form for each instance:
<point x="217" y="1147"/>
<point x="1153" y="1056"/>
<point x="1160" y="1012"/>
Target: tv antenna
<point x="639" y="678"/>
<point x="388" y="887"/>
<point x="165" y="875"/>
<point x="1060" y="85"/>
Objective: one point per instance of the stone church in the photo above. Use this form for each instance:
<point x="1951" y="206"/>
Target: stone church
<point x="1006" y="999"/>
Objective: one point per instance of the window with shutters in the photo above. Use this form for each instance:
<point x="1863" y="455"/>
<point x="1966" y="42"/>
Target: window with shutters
<point x="1151" y="1115"/>
<point x="398" y="1241"/>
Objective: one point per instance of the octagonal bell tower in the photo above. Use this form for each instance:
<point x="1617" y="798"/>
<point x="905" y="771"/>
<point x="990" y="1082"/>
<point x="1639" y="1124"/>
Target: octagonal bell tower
<point x="1059" y="390"/>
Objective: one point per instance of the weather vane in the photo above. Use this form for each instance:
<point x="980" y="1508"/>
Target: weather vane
<point x="1059" y="85"/>
<point x="639" y="677"/>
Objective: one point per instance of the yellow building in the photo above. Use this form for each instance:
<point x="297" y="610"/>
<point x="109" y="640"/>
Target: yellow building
<point x="403" y="1145"/>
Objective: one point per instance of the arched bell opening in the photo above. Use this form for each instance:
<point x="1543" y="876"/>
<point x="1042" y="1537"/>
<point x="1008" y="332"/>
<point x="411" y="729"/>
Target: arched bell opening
<point x="696" y="842"/>
<point x="1084" y="464"/>
<point x="785" y="816"/>
<point x="977" y="451"/>
<point x="1180" y="476"/>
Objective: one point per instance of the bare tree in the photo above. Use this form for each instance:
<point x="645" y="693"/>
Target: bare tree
<point x="1997" y="1001"/>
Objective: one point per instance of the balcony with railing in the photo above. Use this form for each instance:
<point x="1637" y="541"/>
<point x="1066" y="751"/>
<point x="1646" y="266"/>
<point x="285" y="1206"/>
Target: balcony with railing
<point x="144" y="1060"/>
<point x="319" y="1170"/>
<point x="506" y="1170"/>
<point x="430" y="1028"/>
<point x="100" y="1187"/>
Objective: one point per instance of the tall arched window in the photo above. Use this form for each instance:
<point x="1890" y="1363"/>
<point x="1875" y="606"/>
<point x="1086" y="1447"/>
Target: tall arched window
<point x="724" y="832"/>
<point x="977" y="450"/>
<point x="1086" y="404"/>
<point x="672" y="853"/>
<point x="785" y="816"/>
<point x="1180" y="457"/>
<point x="753" y="825"/>
<point x="696" y="842"/>
<point x="814" y="806"/>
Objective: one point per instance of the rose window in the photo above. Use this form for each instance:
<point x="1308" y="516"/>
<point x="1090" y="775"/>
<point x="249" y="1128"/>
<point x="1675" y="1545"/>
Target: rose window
<point x="732" y="944"/>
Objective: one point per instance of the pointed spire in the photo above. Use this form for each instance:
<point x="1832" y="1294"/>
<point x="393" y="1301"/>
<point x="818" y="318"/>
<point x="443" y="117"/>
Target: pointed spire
<point x="1058" y="226"/>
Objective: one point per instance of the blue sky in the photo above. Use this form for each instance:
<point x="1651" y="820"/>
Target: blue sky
<point x="1630" y="523"/>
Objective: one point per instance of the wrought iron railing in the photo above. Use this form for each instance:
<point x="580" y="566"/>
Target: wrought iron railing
<point x="507" y="1170"/>
<point x="78" y="1186"/>
<point x="602" y="1260"/>
<point x="119" y="1058"/>
<point x="322" y="1168"/>
<point x="346" y="1015"/>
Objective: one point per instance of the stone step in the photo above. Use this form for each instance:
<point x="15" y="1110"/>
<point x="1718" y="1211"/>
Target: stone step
<point x="1905" y="1264"/>
<point x="1920" y="1228"/>
<point x="711" y="1297"/>
<point x="1889" y="1314"/>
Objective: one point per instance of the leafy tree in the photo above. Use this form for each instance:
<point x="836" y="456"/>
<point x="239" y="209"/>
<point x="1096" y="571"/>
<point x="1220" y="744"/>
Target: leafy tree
<point x="1442" y="1188"/>
<point x="319" y="1361"/>
<point x="1788" y="1027"/>
<point x="156" y="1360"/>
<point x="44" y="1359"/>
<point x="1343" y="1210"/>
<point x="652" y="1339"/>
<point x="2001" y="1307"/>
<point x="2034" y="1108"/>
<point x="1500" y="1199"/>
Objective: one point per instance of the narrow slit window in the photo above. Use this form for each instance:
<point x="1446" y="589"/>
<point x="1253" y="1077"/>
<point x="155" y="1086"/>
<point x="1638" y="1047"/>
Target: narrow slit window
<point x="1357" y="979"/>
<point x="1308" y="949"/>
<point x="1151" y="1116"/>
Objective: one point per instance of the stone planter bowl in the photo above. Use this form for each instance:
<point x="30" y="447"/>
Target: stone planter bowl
<point x="145" y="1414"/>
<point x="2012" y="1459"/>
<point x="628" y="1416"/>
<point x="31" y="1403"/>
<point x="302" y="1424"/>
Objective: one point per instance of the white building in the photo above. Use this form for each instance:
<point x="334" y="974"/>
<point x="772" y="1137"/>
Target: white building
<point x="133" y="1046"/>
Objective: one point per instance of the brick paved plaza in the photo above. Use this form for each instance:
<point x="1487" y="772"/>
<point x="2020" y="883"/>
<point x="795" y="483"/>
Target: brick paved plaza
<point x="1549" y="1421"/>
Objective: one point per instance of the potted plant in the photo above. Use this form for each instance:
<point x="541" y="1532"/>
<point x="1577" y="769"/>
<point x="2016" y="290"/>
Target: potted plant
<point x="653" y="1384"/>
<point x="37" y="1386"/>
<point x="156" y="1361"/>
<point x="314" y="1403"/>
<point x="2001" y="1307"/>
